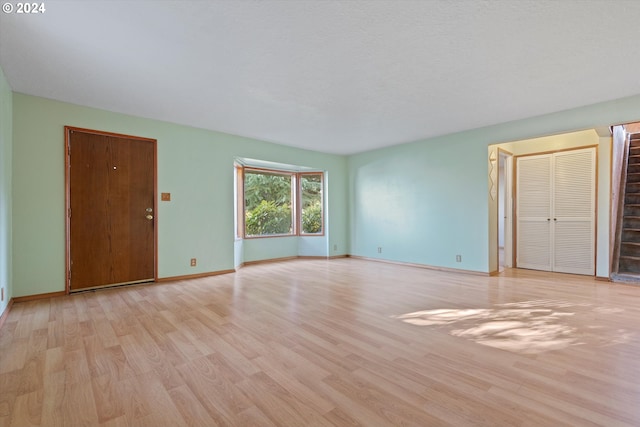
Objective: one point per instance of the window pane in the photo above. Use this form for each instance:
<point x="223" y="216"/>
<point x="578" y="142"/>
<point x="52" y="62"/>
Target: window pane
<point x="311" y="203"/>
<point x="267" y="200"/>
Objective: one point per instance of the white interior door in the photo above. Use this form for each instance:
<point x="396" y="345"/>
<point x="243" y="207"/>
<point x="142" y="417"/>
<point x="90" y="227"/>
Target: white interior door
<point x="556" y="211"/>
<point x="574" y="202"/>
<point x="533" y="211"/>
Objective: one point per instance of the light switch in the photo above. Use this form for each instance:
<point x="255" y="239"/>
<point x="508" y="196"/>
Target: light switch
<point x="165" y="197"/>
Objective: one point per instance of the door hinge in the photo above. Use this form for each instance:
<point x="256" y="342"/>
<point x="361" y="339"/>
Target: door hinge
<point x="69" y="213"/>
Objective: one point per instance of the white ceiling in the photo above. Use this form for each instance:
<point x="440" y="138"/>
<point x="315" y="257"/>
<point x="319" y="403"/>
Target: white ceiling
<point x="332" y="76"/>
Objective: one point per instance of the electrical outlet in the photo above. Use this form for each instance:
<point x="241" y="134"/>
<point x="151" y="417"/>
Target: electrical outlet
<point x="335" y="247"/>
<point x="379" y="249"/>
<point x="193" y="262"/>
<point x="458" y="258"/>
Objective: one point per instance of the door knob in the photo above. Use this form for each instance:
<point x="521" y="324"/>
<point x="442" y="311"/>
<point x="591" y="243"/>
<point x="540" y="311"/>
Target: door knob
<point x="149" y="210"/>
<point x="149" y="217"/>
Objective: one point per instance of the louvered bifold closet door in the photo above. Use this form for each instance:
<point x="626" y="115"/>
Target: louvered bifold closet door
<point x="533" y="211"/>
<point x="573" y="204"/>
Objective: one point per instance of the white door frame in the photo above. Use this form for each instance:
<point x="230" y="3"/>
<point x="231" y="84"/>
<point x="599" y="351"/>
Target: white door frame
<point x="505" y="198"/>
<point x="560" y="220"/>
<point x="507" y="201"/>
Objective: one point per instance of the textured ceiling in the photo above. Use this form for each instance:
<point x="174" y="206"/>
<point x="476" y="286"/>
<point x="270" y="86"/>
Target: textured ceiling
<point x="332" y="76"/>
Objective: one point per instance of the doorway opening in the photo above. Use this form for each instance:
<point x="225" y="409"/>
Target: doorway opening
<point x="502" y="198"/>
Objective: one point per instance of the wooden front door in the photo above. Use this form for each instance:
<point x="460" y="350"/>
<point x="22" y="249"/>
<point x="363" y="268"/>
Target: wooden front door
<point x="111" y="209"/>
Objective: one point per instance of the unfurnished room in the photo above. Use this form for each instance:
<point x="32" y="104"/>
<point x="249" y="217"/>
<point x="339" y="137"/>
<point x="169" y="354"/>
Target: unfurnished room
<point x="319" y="213"/>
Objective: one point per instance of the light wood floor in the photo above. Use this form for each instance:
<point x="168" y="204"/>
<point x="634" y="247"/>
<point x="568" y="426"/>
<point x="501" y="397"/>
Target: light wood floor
<point x="344" y="342"/>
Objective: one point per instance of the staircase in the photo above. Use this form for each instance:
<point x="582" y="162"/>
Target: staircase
<point x="629" y="259"/>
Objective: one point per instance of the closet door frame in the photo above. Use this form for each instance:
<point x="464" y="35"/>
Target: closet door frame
<point x="593" y="149"/>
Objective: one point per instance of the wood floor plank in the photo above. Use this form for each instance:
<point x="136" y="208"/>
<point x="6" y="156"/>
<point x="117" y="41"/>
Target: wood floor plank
<point x="29" y="410"/>
<point x="279" y="404"/>
<point x="253" y="417"/>
<point x="9" y="385"/>
<point x="133" y="399"/>
<point x="76" y="367"/>
<point x="53" y="405"/>
<point x="222" y="399"/>
<point x="292" y="384"/>
<point x="106" y="394"/>
<point x="33" y="373"/>
<point x="161" y="409"/>
<point x="461" y="409"/>
<point x="14" y="355"/>
<point x="79" y="405"/>
<point x="392" y="408"/>
<point x="330" y="343"/>
<point x="192" y="411"/>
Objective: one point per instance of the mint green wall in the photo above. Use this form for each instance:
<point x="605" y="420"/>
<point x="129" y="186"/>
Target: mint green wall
<point x="194" y="165"/>
<point x="422" y="202"/>
<point x="255" y="249"/>
<point x="427" y="201"/>
<point x="6" y="126"/>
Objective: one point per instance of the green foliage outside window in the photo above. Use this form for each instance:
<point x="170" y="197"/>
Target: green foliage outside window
<point x="268" y="203"/>
<point x="267" y="199"/>
<point x="268" y="218"/>
<point x="311" y="204"/>
<point x="312" y="219"/>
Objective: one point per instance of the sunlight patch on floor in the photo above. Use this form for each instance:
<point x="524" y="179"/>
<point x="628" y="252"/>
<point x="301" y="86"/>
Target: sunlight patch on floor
<point x="526" y="327"/>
